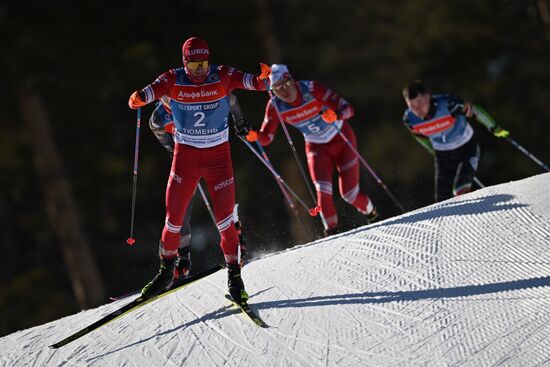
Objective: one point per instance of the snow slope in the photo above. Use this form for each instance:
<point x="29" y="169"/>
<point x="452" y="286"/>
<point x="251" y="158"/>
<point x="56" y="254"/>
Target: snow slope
<point x="463" y="282"/>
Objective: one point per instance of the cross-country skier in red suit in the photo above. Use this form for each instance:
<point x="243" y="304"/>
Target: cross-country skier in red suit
<point x="198" y="96"/>
<point x="315" y="110"/>
<point x="162" y="125"/>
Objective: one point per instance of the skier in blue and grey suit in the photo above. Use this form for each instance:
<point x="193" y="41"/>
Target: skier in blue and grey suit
<point x="440" y="123"/>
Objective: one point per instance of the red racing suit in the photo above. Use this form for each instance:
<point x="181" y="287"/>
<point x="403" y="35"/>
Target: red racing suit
<point x="325" y="148"/>
<point x="201" y="149"/>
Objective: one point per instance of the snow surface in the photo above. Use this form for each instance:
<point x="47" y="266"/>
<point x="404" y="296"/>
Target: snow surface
<point x="463" y="282"/>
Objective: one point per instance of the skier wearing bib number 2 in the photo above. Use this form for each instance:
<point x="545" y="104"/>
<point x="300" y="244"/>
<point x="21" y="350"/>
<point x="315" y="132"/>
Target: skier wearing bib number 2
<point x="162" y="125"/>
<point x="319" y="114"/>
<point x="198" y="96"/>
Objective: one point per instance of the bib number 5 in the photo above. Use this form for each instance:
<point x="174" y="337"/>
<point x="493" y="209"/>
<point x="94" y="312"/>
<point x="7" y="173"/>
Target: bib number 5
<point x="314" y="128"/>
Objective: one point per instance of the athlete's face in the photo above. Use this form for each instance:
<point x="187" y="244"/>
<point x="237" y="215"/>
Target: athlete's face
<point x="420" y="105"/>
<point x="197" y="69"/>
<point x="285" y="89"/>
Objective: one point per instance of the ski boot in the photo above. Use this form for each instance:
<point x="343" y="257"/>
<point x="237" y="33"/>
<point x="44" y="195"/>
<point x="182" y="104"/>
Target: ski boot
<point x="162" y="281"/>
<point x="235" y="284"/>
<point x="331" y="231"/>
<point x="372" y="216"/>
<point x="183" y="263"/>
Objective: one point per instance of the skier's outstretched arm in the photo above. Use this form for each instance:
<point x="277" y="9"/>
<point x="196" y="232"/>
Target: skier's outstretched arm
<point x="269" y="126"/>
<point x="487" y="120"/>
<point x="160" y="87"/>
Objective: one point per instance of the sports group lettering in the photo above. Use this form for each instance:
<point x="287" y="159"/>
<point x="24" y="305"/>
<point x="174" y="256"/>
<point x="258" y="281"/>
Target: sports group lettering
<point x="199" y="107"/>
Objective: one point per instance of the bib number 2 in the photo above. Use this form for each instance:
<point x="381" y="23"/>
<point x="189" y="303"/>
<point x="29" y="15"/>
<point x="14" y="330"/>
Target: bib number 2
<point x="200" y="117"/>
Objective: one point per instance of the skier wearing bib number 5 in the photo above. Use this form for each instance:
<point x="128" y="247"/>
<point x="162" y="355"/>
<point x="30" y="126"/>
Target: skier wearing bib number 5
<point x="319" y="113"/>
<point x="198" y="95"/>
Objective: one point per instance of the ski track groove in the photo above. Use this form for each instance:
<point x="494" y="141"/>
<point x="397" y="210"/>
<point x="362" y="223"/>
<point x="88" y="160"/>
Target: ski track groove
<point x="296" y="339"/>
<point x="291" y="321"/>
<point x="150" y="348"/>
<point x="492" y="336"/>
<point x="243" y="319"/>
<point x="173" y="346"/>
<point x="448" y="328"/>
<point x="215" y="330"/>
<point x="206" y="350"/>
<point x="364" y="331"/>
<point x="524" y="340"/>
<point x="327" y="319"/>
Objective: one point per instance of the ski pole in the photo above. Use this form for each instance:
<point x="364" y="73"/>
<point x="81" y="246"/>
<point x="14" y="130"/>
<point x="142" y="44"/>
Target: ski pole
<point x="374" y="175"/>
<point x="478" y="182"/>
<point x="283" y="190"/>
<point x="526" y="152"/>
<point x="207" y="203"/>
<point x="131" y="240"/>
<point x="317" y="209"/>
<point x="275" y="174"/>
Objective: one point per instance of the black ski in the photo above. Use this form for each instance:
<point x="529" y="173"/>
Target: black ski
<point x="247" y="311"/>
<point x="125" y="295"/>
<point x="177" y="283"/>
<point x="135" y="304"/>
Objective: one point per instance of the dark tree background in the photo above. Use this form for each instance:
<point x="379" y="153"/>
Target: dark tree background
<point x="80" y="61"/>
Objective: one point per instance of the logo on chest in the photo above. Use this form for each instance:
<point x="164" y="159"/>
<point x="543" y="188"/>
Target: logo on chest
<point x="305" y="112"/>
<point x="198" y="94"/>
<point x="435" y="126"/>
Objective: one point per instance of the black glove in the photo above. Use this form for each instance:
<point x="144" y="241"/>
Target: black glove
<point x="242" y="128"/>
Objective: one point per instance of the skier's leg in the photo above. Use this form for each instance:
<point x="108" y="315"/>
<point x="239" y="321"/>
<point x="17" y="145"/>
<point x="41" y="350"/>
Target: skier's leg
<point x="445" y="171"/>
<point x="183" y="263"/>
<point x="348" y="168"/>
<point x="320" y="169"/>
<point x="217" y="171"/>
<point x="182" y="182"/>
<point x="183" y="178"/>
<point x="238" y="226"/>
<point x="467" y="168"/>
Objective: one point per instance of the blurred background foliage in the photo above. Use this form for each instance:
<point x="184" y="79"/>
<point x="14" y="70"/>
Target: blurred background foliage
<point x="85" y="58"/>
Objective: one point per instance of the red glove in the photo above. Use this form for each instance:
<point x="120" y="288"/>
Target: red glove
<point x="252" y="136"/>
<point x="329" y="116"/>
<point x="265" y="71"/>
<point x="135" y="101"/>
